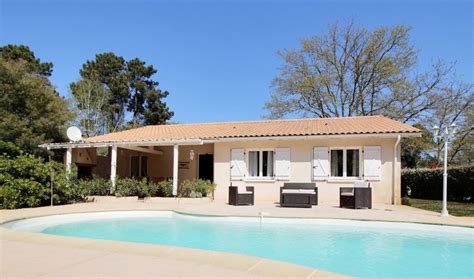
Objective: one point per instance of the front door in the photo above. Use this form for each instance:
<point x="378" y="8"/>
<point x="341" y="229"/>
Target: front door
<point x="206" y="167"/>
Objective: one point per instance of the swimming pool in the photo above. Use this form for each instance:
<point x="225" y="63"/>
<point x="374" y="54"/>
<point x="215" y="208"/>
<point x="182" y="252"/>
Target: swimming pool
<point x="357" y="248"/>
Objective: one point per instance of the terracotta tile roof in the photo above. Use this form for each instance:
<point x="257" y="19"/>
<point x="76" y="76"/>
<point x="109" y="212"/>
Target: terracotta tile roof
<point x="267" y="128"/>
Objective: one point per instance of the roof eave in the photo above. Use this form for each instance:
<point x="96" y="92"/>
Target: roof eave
<point x="87" y="144"/>
<point x="309" y="137"/>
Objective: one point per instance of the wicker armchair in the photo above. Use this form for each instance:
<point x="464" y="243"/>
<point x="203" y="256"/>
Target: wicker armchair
<point x="359" y="196"/>
<point x="241" y="195"/>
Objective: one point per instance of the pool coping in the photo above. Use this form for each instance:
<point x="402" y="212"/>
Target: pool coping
<point x="187" y="212"/>
<point x="251" y="265"/>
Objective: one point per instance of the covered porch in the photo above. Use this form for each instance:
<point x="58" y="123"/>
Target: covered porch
<point x="155" y="161"/>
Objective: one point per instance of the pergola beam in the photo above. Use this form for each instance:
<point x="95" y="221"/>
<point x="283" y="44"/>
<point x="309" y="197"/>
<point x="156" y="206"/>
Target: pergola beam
<point x="120" y="143"/>
<point x="142" y="149"/>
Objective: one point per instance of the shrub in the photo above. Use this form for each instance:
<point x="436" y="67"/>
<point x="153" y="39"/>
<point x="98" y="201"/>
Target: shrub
<point x="196" y="188"/>
<point x="93" y="187"/>
<point x="406" y="201"/>
<point x="428" y="183"/>
<point x="165" y="188"/>
<point x="9" y="149"/>
<point x="19" y="193"/>
<point x="126" y="187"/>
<point x="25" y="182"/>
<point x="153" y="189"/>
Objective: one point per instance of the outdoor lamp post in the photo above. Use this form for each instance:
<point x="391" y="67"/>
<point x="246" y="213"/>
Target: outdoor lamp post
<point x="445" y="136"/>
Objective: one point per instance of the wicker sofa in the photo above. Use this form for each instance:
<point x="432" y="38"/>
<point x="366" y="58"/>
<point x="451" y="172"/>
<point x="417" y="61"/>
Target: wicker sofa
<point x="298" y="195"/>
<point x="241" y="195"/>
<point x="359" y="196"/>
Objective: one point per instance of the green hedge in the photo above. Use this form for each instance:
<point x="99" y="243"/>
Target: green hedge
<point x="428" y="183"/>
<point x="196" y="188"/>
<point x="165" y="188"/>
<point x="126" y="187"/>
<point x="93" y="187"/>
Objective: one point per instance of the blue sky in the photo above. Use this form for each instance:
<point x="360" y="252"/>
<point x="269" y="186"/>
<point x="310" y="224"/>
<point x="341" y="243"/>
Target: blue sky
<point x="217" y="58"/>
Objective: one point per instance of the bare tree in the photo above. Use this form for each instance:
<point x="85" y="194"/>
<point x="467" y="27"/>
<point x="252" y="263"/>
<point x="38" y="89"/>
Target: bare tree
<point x="455" y="107"/>
<point x="354" y="71"/>
<point x="90" y="99"/>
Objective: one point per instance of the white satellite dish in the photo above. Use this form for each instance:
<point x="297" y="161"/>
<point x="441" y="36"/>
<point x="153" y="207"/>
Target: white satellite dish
<point x="73" y="133"/>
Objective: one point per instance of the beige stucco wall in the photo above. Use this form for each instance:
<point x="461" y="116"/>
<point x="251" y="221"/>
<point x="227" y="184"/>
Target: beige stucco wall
<point x="301" y="168"/>
<point x="161" y="166"/>
<point x="85" y="156"/>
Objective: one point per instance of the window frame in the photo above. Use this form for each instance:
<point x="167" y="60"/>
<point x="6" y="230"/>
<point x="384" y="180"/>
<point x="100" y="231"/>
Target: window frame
<point x="344" y="162"/>
<point x="260" y="163"/>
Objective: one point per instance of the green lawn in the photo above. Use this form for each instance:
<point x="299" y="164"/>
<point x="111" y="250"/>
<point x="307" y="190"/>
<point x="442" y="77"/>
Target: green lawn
<point x="454" y="208"/>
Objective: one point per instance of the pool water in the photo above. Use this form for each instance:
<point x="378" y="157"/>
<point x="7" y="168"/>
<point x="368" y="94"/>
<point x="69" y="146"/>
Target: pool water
<point x="356" y="248"/>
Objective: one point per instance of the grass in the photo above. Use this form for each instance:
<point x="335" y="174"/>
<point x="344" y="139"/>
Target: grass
<point x="454" y="208"/>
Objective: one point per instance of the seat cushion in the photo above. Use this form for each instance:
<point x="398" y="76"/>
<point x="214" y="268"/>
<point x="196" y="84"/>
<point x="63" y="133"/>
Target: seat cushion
<point x="245" y="193"/>
<point x="298" y="191"/>
<point x="290" y="191"/>
<point x="361" y="184"/>
<point x="242" y="189"/>
<point x="307" y="191"/>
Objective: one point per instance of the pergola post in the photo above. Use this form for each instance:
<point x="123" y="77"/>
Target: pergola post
<point x="113" y="166"/>
<point x="68" y="160"/>
<point x="175" y="169"/>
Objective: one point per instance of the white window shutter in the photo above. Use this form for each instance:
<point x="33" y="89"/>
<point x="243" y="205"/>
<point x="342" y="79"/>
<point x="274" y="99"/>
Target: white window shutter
<point x="372" y="162"/>
<point x="237" y="164"/>
<point x="282" y="163"/>
<point x="320" y="163"/>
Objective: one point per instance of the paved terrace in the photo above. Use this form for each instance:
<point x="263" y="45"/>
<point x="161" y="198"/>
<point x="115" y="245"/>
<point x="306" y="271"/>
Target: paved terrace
<point x="34" y="255"/>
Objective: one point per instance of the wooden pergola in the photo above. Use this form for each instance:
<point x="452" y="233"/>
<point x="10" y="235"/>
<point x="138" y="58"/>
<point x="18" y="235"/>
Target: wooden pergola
<point x="141" y="146"/>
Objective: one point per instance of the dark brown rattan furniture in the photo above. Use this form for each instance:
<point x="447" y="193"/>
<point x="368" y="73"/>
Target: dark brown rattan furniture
<point x="298" y="195"/>
<point x="359" y="196"/>
<point x="241" y="195"/>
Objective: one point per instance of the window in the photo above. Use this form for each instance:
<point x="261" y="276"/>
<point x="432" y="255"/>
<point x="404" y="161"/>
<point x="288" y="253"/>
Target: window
<point x="267" y="162"/>
<point x="345" y="162"/>
<point x="138" y="166"/>
<point x="254" y="163"/>
<point x="260" y="163"/>
<point x="337" y="162"/>
<point x="352" y="162"/>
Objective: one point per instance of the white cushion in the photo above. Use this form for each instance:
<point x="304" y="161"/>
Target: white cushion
<point x="290" y="191"/>
<point x="242" y="189"/>
<point x="361" y="184"/>
<point x="347" y="194"/>
<point x="244" y="193"/>
<point x="307" y="191"/>
<point x="298" y="191"/>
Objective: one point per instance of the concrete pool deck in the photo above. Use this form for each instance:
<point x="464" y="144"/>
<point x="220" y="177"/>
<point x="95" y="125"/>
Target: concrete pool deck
<point x="34" y="255"/>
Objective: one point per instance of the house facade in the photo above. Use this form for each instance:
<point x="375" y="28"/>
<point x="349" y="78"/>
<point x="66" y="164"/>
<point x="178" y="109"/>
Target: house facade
<point x="332" y="152"/>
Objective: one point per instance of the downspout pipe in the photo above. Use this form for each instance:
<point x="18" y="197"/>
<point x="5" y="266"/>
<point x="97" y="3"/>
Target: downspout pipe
<point x="394" y="167"/>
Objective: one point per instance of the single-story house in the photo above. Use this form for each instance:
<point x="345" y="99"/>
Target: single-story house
<point x="333" y="152"/>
